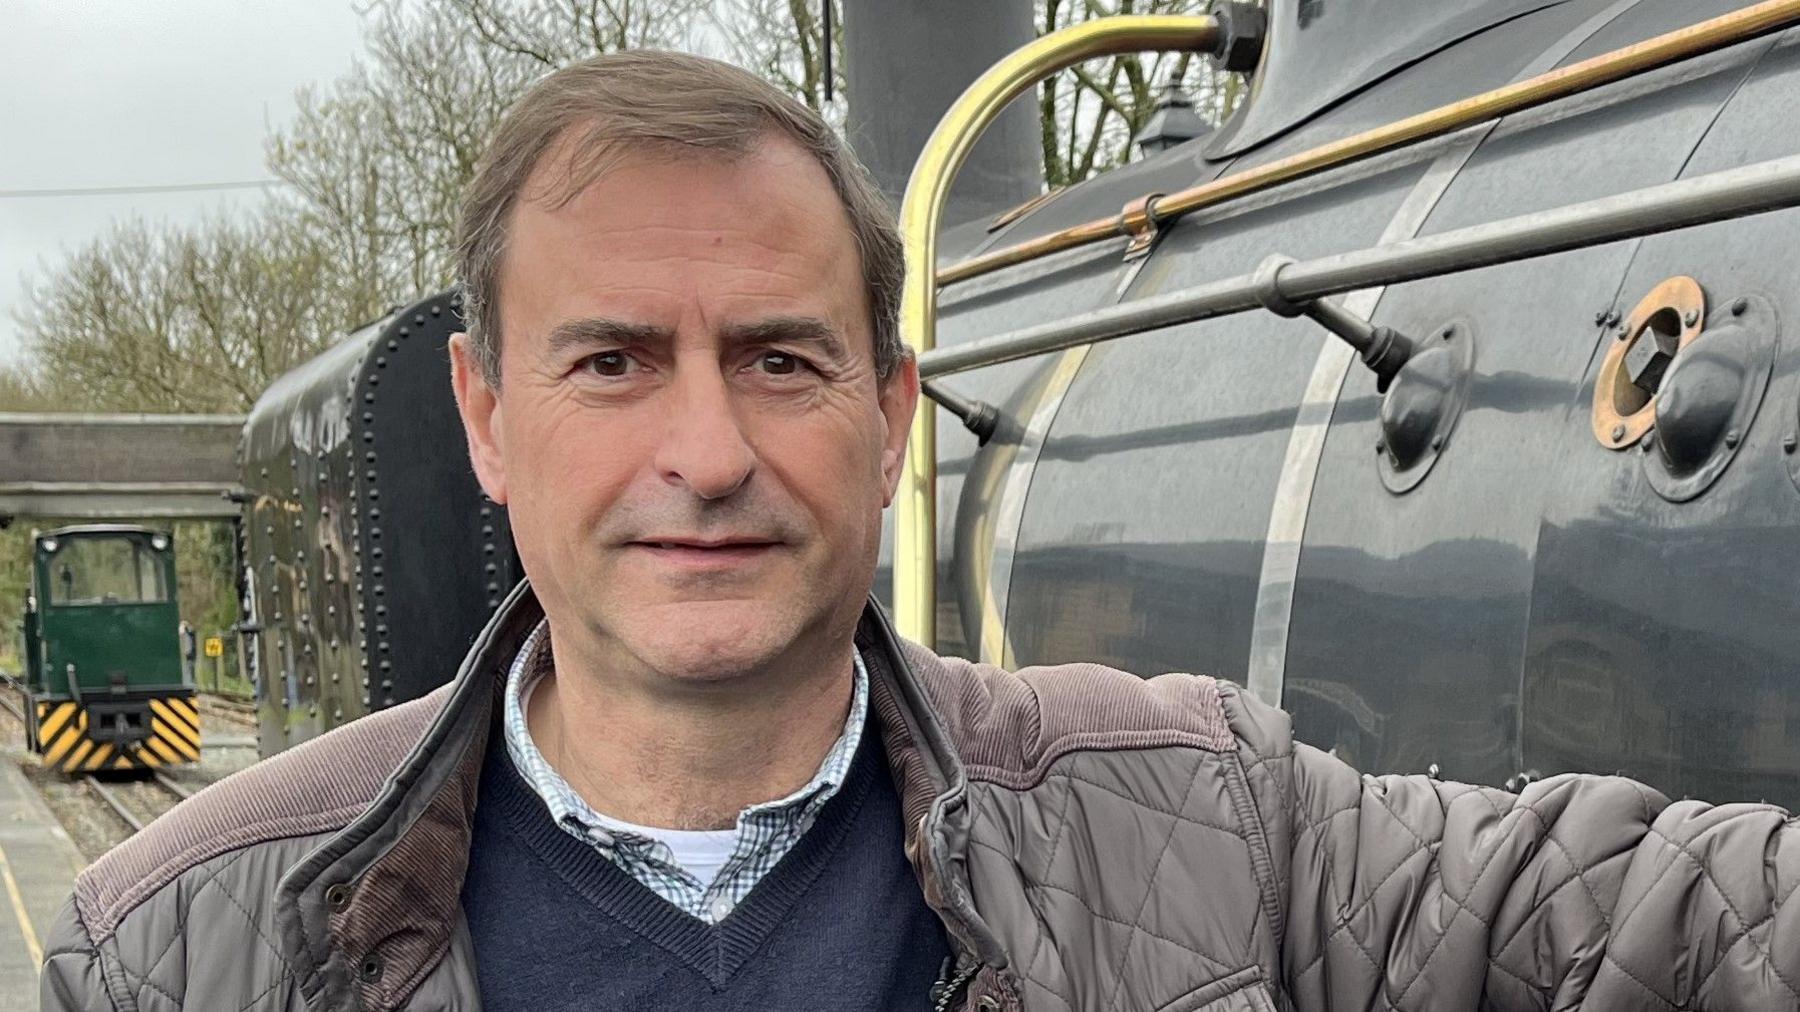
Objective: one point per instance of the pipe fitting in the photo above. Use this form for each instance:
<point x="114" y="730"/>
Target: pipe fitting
<point x="1267" y="285"/>
<point x="1243" y="27"/>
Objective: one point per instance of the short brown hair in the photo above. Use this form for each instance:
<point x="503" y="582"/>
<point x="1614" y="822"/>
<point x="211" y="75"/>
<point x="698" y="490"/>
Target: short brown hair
<point x="676" y="102"/>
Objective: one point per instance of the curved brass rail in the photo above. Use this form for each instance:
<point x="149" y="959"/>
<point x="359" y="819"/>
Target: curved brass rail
<point x="1724" y="30"/>
<point x="915" y="507"/>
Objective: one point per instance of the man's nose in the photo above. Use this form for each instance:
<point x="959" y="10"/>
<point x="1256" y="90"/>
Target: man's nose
<point x="703" y="444"/>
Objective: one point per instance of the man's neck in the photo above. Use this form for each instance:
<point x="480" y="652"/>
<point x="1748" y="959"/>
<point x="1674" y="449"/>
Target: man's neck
<point x="686" y="759"/>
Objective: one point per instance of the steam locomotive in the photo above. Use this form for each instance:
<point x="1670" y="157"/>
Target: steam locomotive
<point x="1550" y="520"/>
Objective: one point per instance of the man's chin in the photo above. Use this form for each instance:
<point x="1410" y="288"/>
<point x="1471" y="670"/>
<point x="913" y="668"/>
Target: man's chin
<point x="706" y="641"/>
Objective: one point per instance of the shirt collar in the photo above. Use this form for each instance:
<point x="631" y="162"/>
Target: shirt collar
<point x="570" y="810"/>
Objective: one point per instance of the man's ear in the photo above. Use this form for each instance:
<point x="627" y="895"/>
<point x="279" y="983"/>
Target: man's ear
<point x="479" y="405"/>
<point x="899" y="396"/>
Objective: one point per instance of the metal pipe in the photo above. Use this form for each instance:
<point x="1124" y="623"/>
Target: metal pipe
<point x="1383" y="349"/>
<point x="979" y="417"/>
<point x="915" y="506"/>
<point x="1717" y="33"/>
<point x="1733" y="193"/>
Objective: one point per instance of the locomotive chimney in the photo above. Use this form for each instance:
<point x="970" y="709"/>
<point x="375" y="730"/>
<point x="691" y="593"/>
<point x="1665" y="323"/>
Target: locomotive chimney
<point x="906" y="61"/>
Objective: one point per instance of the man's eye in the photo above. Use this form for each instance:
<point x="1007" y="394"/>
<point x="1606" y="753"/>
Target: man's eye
<point x="608" y="363"/>
<point x="777" y="363"/>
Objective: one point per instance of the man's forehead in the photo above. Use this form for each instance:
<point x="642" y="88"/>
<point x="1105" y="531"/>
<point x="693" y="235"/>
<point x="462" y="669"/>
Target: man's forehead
<point x="576" y="161"/>
<point x="744" y="240"/>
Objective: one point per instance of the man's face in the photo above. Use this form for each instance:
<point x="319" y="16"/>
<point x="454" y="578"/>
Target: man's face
<point x="689" y="433"/>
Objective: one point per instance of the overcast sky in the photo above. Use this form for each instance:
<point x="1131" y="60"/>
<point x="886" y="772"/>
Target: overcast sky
<point x="132" y="93"/>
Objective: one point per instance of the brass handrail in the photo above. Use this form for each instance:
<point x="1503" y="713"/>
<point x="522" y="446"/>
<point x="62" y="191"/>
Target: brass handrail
<point x="915" y="532"/>
<point x="1727" y="29"/>
<point x="915" y="506"/>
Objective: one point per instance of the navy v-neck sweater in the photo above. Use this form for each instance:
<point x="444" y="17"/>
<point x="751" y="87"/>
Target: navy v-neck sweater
<point x="839" y="923"/>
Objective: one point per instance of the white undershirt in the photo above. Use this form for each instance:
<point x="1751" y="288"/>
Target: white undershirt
<point x="702" y="853"/>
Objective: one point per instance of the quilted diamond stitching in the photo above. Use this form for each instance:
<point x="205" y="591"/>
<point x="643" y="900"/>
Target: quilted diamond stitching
<point x="1706" y="875"/>
<point x="1141" y="803"/>
<point x="1462" y="907"/>
<point x="1288" y="804"/>
<point x="1050" y="992"/>
<point x="181" y="922"/>
<point x="1374" y="891"/>
<point x="1608" y="959"/>
<point x="249" y="918"/>
<point x="1581" y="873"/>
<point x="1062" y="828"/>
<point x="1528" y="985"/>
<point x="1343" y="925"/>
<point x="1774" y="911"/>
<point x="286" y="974"/>
<point x="1219" y="964"/>
<point x="1496" y="952"/>
<point x="1150" y="884"/>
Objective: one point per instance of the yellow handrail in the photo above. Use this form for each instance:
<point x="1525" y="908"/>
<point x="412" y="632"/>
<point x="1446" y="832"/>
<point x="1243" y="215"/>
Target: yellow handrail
<point x="915" y="508"/>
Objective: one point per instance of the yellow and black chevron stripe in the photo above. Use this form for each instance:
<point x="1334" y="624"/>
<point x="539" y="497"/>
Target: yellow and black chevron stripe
<point x="62" y="737"/>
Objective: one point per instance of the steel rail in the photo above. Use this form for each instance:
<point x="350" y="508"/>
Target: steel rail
<point x="1732" y="193"/>
<point x="106" y="794"/>
<point x="169" y="784"/>
<point x="915" y="510"/>
<point x="1716" y="33"/>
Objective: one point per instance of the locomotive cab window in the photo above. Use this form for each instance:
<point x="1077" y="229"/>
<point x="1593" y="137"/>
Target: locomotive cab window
<point x="118" y="570"/>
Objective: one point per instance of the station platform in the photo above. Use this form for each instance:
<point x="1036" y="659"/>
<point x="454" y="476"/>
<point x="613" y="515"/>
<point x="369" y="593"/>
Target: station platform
<point x="38" y="863"/>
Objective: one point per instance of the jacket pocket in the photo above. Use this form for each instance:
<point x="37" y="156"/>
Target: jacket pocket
<point x="1243" y="991"/>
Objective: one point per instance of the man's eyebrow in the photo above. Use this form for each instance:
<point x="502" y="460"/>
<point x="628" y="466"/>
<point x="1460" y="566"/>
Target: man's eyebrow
<point x="805" y="330"/>
<point x="591" y="331"/>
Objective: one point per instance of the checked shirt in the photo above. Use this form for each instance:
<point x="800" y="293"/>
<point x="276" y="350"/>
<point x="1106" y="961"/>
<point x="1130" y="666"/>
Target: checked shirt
<point x="766" y="832"/>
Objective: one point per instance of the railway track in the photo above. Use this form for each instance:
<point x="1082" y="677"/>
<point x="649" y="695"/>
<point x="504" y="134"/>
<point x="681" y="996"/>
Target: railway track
<point x="116" y="803"/>
<point x="9" y="702"/>
<point x="171" y="785"/>
<point x="114" y="795"/>
<point x="236" y="708"/>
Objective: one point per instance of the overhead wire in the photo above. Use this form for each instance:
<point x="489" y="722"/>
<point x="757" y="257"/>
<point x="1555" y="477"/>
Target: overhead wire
<point x="146" y="188"/>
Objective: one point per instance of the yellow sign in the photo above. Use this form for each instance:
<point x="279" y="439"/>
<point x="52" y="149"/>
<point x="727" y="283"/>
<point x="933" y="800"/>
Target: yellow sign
<point x="215" y="646"/>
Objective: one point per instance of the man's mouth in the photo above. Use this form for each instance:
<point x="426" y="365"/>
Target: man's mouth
<point x="705" y="553"/>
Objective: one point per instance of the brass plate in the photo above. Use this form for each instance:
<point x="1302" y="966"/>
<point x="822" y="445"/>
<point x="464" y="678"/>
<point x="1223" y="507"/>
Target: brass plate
<point x="1622" y="412"/>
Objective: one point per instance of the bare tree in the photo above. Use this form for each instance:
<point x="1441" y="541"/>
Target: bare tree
<point x="21" y="389"/>
<point x="1089" y="116"/>
<point x="552" y="33"/>
<point x="160" y="318"/>
<point x="784" y="42"/>
<point x="378" y="161"/>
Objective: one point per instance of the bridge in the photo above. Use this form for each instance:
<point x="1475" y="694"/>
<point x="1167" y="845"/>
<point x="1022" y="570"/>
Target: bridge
<point x="95" y="467"/>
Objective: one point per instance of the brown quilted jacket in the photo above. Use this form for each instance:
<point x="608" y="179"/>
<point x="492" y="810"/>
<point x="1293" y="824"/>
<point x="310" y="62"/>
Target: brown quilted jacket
<point x="1091" y="841"/>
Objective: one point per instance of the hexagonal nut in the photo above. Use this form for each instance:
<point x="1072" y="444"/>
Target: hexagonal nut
<point x="1647" y="360"/>
<point x="1242" y="29"/>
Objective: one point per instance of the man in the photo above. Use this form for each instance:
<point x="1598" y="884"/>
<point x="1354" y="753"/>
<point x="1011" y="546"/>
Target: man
<point x="689" y="766"/>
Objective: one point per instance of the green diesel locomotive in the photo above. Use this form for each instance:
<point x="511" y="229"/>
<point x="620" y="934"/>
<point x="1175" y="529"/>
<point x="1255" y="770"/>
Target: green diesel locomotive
<point x="104" y="684"/>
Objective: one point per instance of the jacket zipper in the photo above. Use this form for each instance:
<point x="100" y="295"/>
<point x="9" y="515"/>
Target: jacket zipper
<point x="952" y="986"/>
